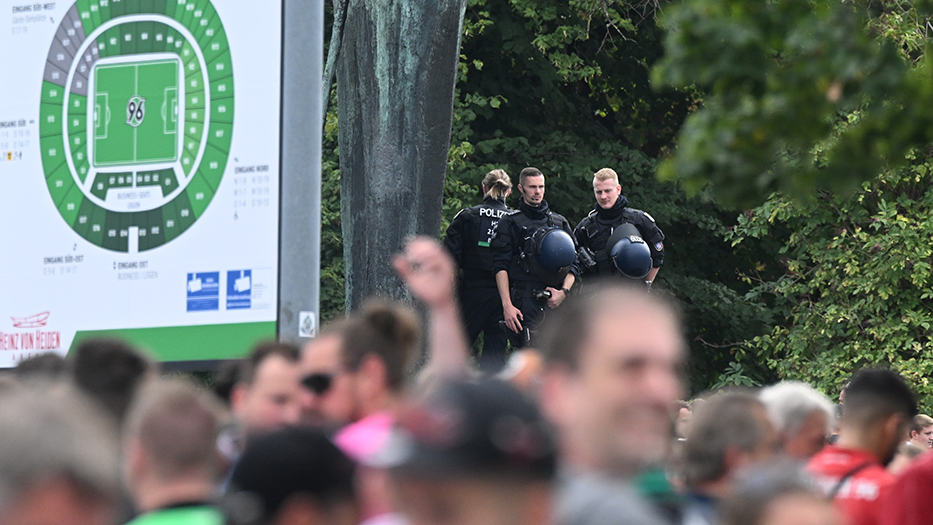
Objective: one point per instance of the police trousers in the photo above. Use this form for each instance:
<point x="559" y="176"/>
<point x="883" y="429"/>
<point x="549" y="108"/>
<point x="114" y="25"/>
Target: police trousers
<point x="524" y="298"/>
<point x="481" y="308"/>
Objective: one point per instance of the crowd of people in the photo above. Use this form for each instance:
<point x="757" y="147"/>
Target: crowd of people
<point x="585" y="424"/>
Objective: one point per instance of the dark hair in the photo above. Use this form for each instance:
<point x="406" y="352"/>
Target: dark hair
<point x="386" y="329"/>
<point x="110" y="371"/>
<point x="876" y="393"/>
<point x="729" y="419"/>
<point x="228" y="375"/>
<point x="260" y="353"/>
<point x="290" y="462"/>
<point x="561" y="339"/>
<point x="528" y="172"/>
<point x="49" y="366"/>
<point x="465" y="429"/>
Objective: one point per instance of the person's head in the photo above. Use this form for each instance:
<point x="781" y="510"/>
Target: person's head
<point x="730" y="431"/>
<point x="295" y="475"/>
<point x="802" y="415"/>
<point x="266" y="397"/>
<point x="921" y="431"/>
<point x="531" y="186"/>
<point x="472" y="453"/>
<point x="43" y="367"/>
<point x="613" y="371"/>
<point x="878" y="408"/>
<point x="779" y="494"/>
<point x="170" y="440"/>
<point x="842" y="393"/>
<point x="228" y="374"/>
<point x="58" y="459"/>
<point x="606" y="187"/>
<point x="497" y="184"/>
<point x="326" y="397"/>
<point x="355" y="366"/>
<point x="110" y="371"/>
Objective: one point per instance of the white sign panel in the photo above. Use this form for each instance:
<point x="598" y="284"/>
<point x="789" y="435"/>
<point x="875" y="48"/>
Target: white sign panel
<point x="139" y="161"/>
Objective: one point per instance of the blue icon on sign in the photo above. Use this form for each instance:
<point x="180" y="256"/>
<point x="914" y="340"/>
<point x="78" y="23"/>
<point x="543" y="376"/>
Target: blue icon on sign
<point x="203" y="291"/>
<point x="239" y="289"/>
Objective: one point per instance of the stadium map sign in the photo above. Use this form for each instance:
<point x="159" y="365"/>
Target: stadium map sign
<point x="139" y="157"/>
<point x="139" y="100"/>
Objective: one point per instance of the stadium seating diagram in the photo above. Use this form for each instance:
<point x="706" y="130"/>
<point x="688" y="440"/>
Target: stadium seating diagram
<point x="136" y="118"/>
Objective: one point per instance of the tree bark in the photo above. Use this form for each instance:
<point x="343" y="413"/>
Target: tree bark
<point x="396" y="73"/>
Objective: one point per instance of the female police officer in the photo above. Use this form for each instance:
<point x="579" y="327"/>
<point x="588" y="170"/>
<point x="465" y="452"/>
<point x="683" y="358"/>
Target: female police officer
<point x="468" y="238"/>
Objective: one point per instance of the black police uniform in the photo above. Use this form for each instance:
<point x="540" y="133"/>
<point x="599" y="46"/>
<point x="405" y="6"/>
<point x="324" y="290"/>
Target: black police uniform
<point x="468" y="241"/>
<point x="513" y="251"/>
<point x="594" y="230"/>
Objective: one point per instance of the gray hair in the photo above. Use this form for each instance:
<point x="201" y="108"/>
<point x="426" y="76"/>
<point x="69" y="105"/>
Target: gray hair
<point x="55" y="432"/>
<point x="791" y="402"/>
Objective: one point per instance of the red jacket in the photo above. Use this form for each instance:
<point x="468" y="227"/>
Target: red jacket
<point x="909" y="501"/>
<point x="859" y="497"/>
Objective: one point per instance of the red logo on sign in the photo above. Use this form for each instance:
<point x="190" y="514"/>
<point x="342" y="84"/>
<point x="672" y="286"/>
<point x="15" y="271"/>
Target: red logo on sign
<point x="33" y="321"/>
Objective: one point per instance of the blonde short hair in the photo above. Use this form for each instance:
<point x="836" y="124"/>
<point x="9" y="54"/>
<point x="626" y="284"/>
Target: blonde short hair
<point x="920" y="422"/>
<point x="606" y="174"/>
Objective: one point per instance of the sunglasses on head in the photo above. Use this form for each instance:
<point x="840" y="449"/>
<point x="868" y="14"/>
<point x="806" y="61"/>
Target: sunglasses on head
<point x="317" y="383"/>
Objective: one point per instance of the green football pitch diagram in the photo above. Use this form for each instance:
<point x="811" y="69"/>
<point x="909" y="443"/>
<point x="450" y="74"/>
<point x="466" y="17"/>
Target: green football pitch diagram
<point x="136" y="118"/>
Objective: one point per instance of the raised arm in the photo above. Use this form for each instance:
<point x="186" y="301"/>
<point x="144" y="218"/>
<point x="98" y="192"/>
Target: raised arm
<point x="428" y="271"/>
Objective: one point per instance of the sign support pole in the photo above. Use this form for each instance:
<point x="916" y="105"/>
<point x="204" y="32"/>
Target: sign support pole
<point x="302" y="131"/>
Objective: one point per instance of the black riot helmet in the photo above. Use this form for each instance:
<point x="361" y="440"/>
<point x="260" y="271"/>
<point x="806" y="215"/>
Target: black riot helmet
<point x="629" y="252"/>
<point x="554" y="253"/>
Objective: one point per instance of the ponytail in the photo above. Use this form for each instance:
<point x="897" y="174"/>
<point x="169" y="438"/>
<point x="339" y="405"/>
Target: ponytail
<point x="497" y="184"/>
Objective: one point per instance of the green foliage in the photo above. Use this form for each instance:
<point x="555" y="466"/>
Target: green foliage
<point x="735" y="375"/>
<point x="332" y="292"/>
<point x="577" y="66"/>
<point x="856" y="287"/>
<point x="820" y="113"/>
<point x="778" y="77"/>
<point x="903" y="22"/>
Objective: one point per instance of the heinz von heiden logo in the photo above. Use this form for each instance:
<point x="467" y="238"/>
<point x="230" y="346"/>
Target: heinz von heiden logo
<point x="29" y="336"/>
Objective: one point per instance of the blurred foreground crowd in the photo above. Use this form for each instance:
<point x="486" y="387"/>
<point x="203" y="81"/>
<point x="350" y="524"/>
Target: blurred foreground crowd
<point x="586" y="427"/>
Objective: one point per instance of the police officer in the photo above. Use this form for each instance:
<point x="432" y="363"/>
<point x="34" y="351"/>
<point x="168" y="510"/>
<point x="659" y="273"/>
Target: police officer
<point x="534" y="258"/>
<point x="468" y="239"/>
<point x="611" y="213"/>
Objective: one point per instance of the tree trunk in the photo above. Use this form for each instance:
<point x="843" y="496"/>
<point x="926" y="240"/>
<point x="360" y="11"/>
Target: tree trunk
<point x="395" y="83"/>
